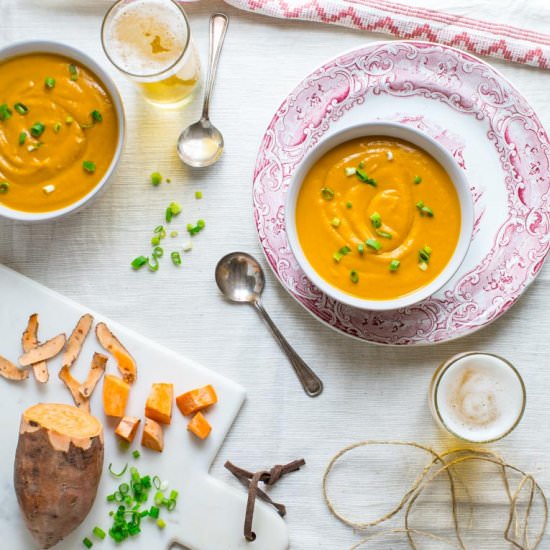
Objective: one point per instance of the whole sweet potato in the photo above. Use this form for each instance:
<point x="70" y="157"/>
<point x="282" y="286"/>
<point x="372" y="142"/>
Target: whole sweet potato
<point x="58" y="464"/>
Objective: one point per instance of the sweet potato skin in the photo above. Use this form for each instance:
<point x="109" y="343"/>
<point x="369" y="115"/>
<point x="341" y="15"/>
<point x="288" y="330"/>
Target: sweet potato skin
<point x="55" y="489"/>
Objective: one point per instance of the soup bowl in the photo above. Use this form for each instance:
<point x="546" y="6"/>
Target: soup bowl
<point x="421" y="141"/>
<point x="48" y="47"/>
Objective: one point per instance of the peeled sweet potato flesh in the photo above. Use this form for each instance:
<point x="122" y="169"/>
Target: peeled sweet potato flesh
<point x="196" y="400"/>
<point x="58" y="464"/>
<point x="127" y="428"/>
<point x="199" y="426"/>
<point x="159" y="403"/>
<point x="115" y="395"/>
<point x="152" y="436"/>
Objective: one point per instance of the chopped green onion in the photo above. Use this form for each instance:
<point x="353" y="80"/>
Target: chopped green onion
<point x="423" y="266"/>
<point x="156" y="482"/>
<point x="362" y="175"/>
<point x="89" y="166"/>
<point x="354" y="276"/>
<point x="153" y="265"/>
<point x="87" y="543"/>
<point x="158" y="252"/>
<point x="170" y="505"/>
<point x="417" y="179"/>
<point x="49" y="82"/>
<point x="124" y="488"/>
<point x="350" y="171"/>
<point x="96" y="116"/>
<point x="194" y="229"/>
<point x="34" y="146"/>
<point x="198" y="195"/>
<point x="360" y="248"/>
<point x="174" y="495"/>
<point x="188" y="246"/>
<point x="176" y="258"/>
<point x="154" y="512"/>
<point x="327" y="193"/>
<point x="201" y="224"/>
<point x="4" y="187"/>
<point x="69" y="120"/>
<point x="5" y="112"/>
<point x="428" y="211"/>
<point x="172" y="210"/>
<point x="158" y="229"/>
<point x="155" y="240"/>
<point x="120" y="474"/>
<point x="335" y="222"/>
<point x="168" y="215"/>
<point x="348" y="205"/>
<point x="384" y="234"/>
<point x="376" y="219"/>
<point x="140" y="261"/>
<point x="345" y="250"/>
<point x="57" y="127"/>
<point x="361" y="165"/>
<point x="174" y="234"/>
<point x="337" y="256"/>
<point x="424" y="254"/>
<point x="21" y="108"/>
<point x="161" y="523"/>
<point x="99" y="532"/>
<point x="159" y="498"/>
<point x="420" y="205"/>
<point x="156" y="178"/>
<point x="22" y="138"/>
<point x="427" y="249"/>
<point x="394" y="265"/>
<point x="73" y="72"/>
<point x="37" y="129"/>
<point x="168" y="180"/>
<point x="374" y="244"/>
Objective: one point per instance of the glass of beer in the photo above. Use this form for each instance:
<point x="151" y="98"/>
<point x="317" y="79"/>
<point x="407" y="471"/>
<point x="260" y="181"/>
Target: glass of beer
<point x="477" y="397"/>
<point x="150" y="42"/>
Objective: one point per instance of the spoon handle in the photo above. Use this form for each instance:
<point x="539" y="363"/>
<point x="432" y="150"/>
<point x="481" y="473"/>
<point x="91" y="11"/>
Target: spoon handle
<point x="310" y="381"/>
<point x="218" y="27"/>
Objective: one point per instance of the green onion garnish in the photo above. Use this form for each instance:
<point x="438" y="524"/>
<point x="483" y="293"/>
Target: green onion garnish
<point x="350" y="171"/>
<point x="87" y="543"/>
<point x="337" y="256"/>
<point x="384" y="234"/>
<point x="354" y="276"/>
<point x="158" y="229"/>
<point x="4" y="187"/>
<point x="22" y="138"/>
<point x="158" y="252"/>
<point x="423" y="266"/>
<point x="96" y="116"/>
<point x="361" y="165"/>
<point x="176" y="258"/>
<point x="120" y="474"/>
<point x="5" y="112"/>
<point x="89" y="166"/>
<point x="172" y="210"/>
<point x="424" y="210"/>
<point x="161" y="523"/>
<point x="155" y="240"/>
<point x="417" y="179"/>
<point x="154" y="512"/>
<point x="49" y="82"/>
<point x="376" y="219"/>
<point x="360" y="248"/>
<point x="73" y="72"/>
<point x="174" y="234"/>
<point x="156" y="178"/>
<point x="140" y="261"/>
<point x="394" y="265"/>
<point x="34" y="146"/>
<point x="198" y="195"/>
<point x="327" y="193"/>
<point x="69" y="120"/>
<point x="153" y="264"/>
<point x="335" y="222"/>
<point x="99" y="532"/>
<point x="21" y="109"/>
<point x="424" y="254"/>
<point x="37" y="129"/>
<point x="57" y="127"/>
<point x="348" y="205"/>
<point x="194" y="229"/>
<point x="362" y="175"/>
<point x="374" y="244"/>
<point x="136" y="454"/>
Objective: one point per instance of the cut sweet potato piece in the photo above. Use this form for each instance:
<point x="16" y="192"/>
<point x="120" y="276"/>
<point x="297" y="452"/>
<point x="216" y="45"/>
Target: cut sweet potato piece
<point x="126" y="363"/>
<point x="29" y="340"/>
<point x="115" y="395"/>
<point x="96" y="372"/>
<point x="152" y="436"/>
<point x="159" y="403"/>
<point x="127" y="428"/>
<point x="58" y="464"/>
<point x="76" y="340"/>
<point x="12" y="372"/>
<point x="196" y="400"/>
<point x="73" y="385"/>
<point x="43" y="352"/>
<point x="199" y="426"/>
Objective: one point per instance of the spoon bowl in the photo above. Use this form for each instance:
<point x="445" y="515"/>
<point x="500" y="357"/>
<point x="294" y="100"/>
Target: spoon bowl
<point x="200" y="144"/>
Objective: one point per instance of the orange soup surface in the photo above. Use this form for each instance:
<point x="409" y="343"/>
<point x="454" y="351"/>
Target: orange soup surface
<point x="58" y="132"/>
<point x="378" y="218"/>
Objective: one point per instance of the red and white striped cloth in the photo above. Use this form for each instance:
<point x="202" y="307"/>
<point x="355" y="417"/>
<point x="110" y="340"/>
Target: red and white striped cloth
<point x="505" y="29"/>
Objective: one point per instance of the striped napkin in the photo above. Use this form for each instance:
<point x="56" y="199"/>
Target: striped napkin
<point x="505" y="29"/>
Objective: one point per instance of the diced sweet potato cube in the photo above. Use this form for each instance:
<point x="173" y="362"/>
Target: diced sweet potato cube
<point x="196" y="400"/>
<point x="115" y="395"/>
<point x="159" y="403"/>
<point x="152" y="436"/>
<point x="127" y="428"/>
<point x="199" y="426"/>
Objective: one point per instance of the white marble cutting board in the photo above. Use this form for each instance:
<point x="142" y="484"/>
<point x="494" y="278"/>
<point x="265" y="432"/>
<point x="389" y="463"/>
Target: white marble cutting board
<point x="209" y="514"/>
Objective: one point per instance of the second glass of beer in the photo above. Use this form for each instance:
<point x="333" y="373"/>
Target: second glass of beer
<point x="150" y="42"/>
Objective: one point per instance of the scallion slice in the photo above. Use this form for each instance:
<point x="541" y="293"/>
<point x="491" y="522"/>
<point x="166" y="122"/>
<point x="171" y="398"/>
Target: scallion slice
<point x="21" y="108"/>
<point x="22" y="138"/>
<point x="176" y="258"/>
<point x="354" y="276"/>
<point x="121" y="473"/>
<point x="37" y="129"/>
<point x="5" y="112"/>
<point x="363" y="176"/>
<point x="327" y="193"/>
<point x="384" y="234"/>
<point x="198" y="195"/>
<point x="96" y="116"/>
<point x="417" y="180"/>
<point x="394" y="265"/>
<point x="89" y="166"/>
<point x="350" y="171"/>
<point x="376" y="220"/>
<point x="73" y="72"/>
<point x="136" y="454"/>
<point x="4" y="187"/>
<point x="335" y="222"/>
<point x="138" y="262"/>
<point x="349" y="205"/>
<point x="49" y="82"/>
<point x="87" y="542"/>
<point x="361" y="248"/>
<point x="156" y="178"/>
<point x="374" y="244"/>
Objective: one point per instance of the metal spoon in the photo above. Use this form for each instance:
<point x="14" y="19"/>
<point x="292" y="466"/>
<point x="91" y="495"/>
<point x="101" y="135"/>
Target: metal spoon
<point x="201" y="144"/>
<point x="241" y="279"/>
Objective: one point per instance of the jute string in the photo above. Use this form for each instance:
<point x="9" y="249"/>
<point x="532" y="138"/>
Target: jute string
<point x="516" y="531"/>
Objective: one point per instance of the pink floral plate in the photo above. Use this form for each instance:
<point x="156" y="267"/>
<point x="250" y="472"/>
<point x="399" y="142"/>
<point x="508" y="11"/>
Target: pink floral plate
<point x="481" y="119"/>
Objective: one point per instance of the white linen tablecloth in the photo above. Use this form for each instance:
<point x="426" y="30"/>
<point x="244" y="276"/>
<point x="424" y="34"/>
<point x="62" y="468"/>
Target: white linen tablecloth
<point x="370" y="392"/>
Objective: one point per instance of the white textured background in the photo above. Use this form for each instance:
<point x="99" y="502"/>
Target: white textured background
<point x="370" y="392"/>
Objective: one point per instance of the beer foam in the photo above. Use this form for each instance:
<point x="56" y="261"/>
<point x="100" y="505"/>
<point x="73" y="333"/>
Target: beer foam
<point x="480" y="397"/>
<point x="145" y="37"/>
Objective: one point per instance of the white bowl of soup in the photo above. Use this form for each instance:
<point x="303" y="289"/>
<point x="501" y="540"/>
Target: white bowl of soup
<point x="61" y="130"/>
<point x="379" y="216"/>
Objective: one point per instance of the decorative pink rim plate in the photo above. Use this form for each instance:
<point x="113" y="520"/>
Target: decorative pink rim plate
<point x="481" y="119"/>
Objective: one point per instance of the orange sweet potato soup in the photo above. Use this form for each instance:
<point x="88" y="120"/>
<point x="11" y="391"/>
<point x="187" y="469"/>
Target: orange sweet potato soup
<point x="378" y="217"/>
<point x="58" y="132"/>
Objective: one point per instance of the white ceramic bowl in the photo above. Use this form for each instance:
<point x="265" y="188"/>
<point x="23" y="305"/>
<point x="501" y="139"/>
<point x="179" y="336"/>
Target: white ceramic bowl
<point x="40" y="46"/>
<point x="419" y="139"/>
